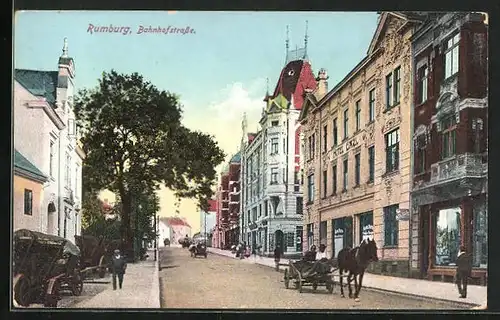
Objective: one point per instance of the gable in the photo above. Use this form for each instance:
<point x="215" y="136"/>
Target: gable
<point x="309" y="103"/>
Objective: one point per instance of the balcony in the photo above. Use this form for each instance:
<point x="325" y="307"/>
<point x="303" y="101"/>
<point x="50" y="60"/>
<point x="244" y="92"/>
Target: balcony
<point x="466" y="165"/>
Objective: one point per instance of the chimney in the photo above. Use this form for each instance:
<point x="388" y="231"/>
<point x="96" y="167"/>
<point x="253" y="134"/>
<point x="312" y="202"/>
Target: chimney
<point x="322" y="81"/>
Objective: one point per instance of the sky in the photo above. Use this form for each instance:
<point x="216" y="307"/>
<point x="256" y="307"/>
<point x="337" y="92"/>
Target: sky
<point x="218" y="67"/>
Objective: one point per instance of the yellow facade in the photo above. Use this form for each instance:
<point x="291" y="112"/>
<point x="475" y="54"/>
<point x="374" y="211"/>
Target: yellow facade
<point x="22" y="220"/>
<point x="390" y="49"/>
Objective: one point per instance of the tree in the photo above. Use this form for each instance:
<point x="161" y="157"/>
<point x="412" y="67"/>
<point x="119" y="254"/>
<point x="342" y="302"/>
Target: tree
<point x="134" y="140"/>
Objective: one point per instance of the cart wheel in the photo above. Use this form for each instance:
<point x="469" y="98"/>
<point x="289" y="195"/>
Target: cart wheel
<point x="329" y="287"/>
<point x="102" y="270"/>
<point x="287" y="279"/>
<point x="315" y="286"/>
<point x="22" y="292"/>
<point x="52" y="298"/>
<point x="77" y="286"/>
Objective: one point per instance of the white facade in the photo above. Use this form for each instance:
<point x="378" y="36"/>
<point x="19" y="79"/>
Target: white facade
<point x="45" y="134"/>
<point x="271" y="189"/>
<point x="164" y="232"/>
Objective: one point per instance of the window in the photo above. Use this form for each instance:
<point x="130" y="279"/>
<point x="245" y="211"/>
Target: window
<point x="274" y="123"/>
<point x="397" y="85"/>
<point x="478" y="138"/>
<point x="290" y="239"/>
<point x="51" y="158"/>
<point x="322" y="232"/>
<point x="422" y="84"/>
<point x="28" y="202"/>
<point x="334" y="179"/>
<point x="358" y="115"/>
<point x="451" y="50"/>
<point x="313" y="144"/>
<point x="391" y="227"/>
<point x="371" y="105"/>
<point x="480" y="235"/>
<point x="448" y="142"/>
<point x="299" y="205"/>
<point x="447" y="226"/>
<point x="335" y="132"/>
<point x="266" y="208"/>
<point x="357" y="168"/>
<point x="296" y="181"/>
<point x="325" y="183"/>
<point x="77" y="170"/>
<point x="274" y="175"/>
<point x="274" y="145"/>
<point x="325" y="138"/>
<point x="392" y="150"/>
<point x="345" y="173"/>
<point x="71" y="127"/>
<point x="310" y="188"/>
<point x="310" y="235"/>
<point x="388" y="91"/>
<point x="68" y="170"/>
<point x="285" y="149"/>
<point x="371" y="164"/>
<point x="420" y="154"/>
<point x="346" y="123"/>
<point x="309" y="143"/>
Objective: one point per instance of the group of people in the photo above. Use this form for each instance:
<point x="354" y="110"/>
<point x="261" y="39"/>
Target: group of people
<point x="242" y="250"/>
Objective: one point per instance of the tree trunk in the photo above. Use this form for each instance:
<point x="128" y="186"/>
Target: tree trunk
<point x="125" y="228"/>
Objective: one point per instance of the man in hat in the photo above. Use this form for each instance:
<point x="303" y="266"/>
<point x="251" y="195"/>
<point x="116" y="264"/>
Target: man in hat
<point x="118" y="267"/>
<point x="464" y="268"/>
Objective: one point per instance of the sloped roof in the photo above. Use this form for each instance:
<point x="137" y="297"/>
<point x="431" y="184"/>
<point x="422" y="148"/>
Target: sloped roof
<point x="236" y="158"/>
<point x="175" y="221"/>
<point x="22" y="163"/>
<point x="39" y="83"/>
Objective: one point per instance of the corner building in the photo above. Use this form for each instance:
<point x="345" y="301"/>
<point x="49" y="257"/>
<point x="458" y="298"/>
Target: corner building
<point x="450" y="145"/>
<point x="356" y="151"/>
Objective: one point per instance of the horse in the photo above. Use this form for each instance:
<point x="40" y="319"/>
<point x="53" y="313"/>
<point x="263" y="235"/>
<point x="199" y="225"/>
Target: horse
<point x="355" y="261"/>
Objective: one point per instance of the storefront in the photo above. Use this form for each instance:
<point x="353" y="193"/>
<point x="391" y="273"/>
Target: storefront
<point x="366" y="226"/>
<point x="342" y="236"/>
<point x="451" y="224"/>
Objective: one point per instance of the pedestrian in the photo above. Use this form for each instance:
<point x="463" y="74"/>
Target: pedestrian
<point x="322" y="254"/>
<point x="277" y="257"/>
<point x="464" y="268"/>
<point x="118" y="267"/>
<point x="254" y="253"/>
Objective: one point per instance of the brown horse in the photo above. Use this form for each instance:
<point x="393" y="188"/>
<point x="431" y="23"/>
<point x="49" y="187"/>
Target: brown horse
<point x="355" y="261"/>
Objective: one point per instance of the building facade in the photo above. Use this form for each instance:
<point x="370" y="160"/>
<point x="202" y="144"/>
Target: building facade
<point x="272" y="204"/>
<point x="28" y="194"/>
<point x="207" y="219"/>
<point x="174" y="229"/>
<point x="356" y="151"/>
<point x="450" y="145"/>
<point x="45" y="133"/>
<point x="228" y="205"/>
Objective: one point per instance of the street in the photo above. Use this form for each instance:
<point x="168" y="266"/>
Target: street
<point x="220" y="282"/>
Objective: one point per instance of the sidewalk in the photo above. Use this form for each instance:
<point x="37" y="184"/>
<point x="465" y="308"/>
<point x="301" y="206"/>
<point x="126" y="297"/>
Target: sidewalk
<point x="141" y="289"/>
<point x="476" y="295"/>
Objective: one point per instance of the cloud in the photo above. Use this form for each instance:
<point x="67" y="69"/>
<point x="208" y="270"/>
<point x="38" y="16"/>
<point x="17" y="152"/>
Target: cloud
<point x="222" y="118"/>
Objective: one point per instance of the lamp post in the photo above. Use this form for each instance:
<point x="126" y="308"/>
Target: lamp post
<point x="205" y="227"/>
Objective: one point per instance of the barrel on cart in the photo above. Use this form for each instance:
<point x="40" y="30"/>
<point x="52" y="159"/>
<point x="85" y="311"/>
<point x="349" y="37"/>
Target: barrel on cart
<point x="309" y="273"/>
<point x="44" y="265"/>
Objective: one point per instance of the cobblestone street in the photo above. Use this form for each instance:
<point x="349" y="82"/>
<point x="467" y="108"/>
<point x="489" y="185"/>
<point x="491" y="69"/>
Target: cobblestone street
<point x="222" y="282"/>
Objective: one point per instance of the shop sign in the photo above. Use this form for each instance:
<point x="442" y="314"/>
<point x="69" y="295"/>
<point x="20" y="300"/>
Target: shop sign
<point x="402" y="214"/>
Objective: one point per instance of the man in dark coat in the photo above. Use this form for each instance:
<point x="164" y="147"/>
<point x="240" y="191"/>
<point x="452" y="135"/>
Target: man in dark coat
<point x="277" y="256"/>
<point x="118" y="267"/>
<point x="464" y="268"/>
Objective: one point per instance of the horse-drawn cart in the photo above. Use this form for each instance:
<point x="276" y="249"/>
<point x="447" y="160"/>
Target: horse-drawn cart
<point x="308" y="273"/>
<point x="43" y="266"/>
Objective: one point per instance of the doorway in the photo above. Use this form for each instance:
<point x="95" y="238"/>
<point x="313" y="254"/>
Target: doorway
<point x="279" y="239"/>
<point x="424" y="243"/>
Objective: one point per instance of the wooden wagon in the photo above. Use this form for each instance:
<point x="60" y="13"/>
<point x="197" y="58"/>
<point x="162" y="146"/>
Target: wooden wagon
<point x="43" y="266"/>
<point x="94" y="254"/>
<point x="301" y="274"/>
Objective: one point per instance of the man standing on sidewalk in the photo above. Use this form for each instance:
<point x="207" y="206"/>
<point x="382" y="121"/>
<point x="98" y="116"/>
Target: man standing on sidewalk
<point x="464" y="268"/>
<point x="277" y="257"/>
<point x="118" y="267"/>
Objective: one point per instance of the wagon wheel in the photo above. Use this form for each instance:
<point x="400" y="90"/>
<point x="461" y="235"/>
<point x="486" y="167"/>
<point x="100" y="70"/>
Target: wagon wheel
<point x="77" y="285"/>
<point x="102" y="267"/>
<point x="22" y="292"/>
<point x="329" y="286"/>
<point x="315" y="285"/>
<point x="287" y="279"/>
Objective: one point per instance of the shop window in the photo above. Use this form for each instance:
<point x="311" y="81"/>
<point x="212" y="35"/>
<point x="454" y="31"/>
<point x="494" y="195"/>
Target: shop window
<point x="447" y="226"/>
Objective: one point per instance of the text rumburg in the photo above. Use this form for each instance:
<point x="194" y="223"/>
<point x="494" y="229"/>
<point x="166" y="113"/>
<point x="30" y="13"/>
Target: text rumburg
<point x="140" y="30"/>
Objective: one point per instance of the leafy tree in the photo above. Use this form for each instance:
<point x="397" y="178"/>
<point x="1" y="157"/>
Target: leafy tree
<point x="134" y="140"/>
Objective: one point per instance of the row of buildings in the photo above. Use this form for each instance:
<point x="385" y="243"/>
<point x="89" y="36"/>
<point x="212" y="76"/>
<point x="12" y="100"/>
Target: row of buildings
<point x="48" y="156"/>
<point x="397" y="152"/>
